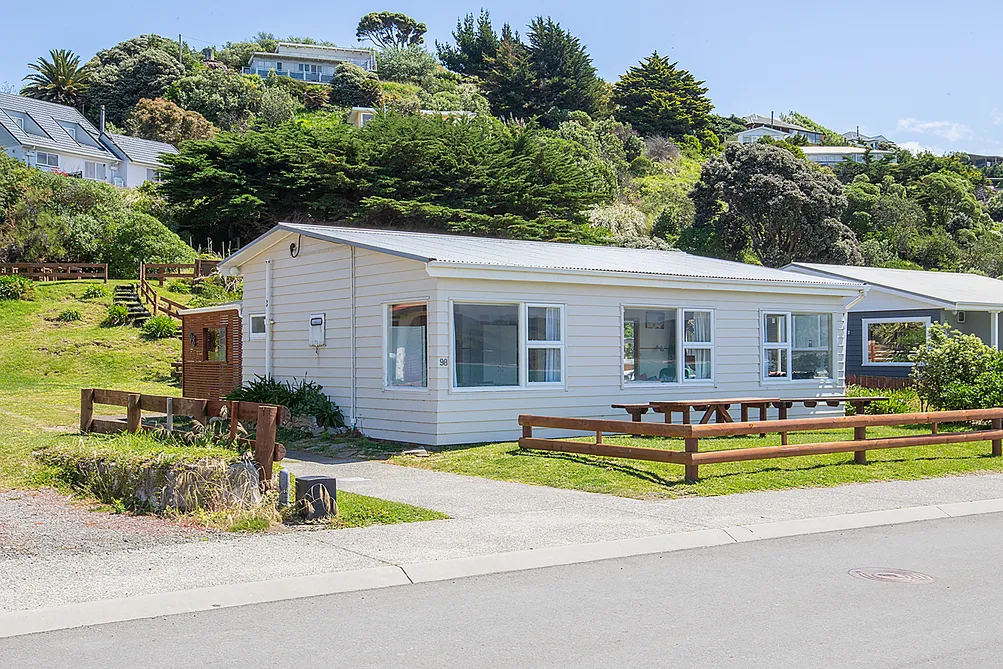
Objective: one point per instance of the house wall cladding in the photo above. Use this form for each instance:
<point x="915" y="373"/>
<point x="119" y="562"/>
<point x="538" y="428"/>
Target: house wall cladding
<point x="211" y="379"/>
<point x="855" y="342"/>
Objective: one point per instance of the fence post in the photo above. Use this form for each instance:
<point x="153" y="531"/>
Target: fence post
<point x="156" y="303"/>
<point x="105" y="266"/>
<point x="202" y="417"/>
<point x="997" y="443"/>
<point x="527" y="431"/>
<point x="134" y="413"/>
<point x="170" y="414"/>
<point x="86" y="409"/>
<point x="264" y="442"/>
<point x="860" y="457"/>
<point x="234" y="418"/>
<point x="692" y="472"/>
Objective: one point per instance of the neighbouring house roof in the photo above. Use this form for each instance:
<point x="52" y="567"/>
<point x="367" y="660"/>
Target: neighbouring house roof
<point x="776" y="123"/>
<point x="853" y="135"/>
<point x="296" y="46"/>
<point x="950" y="290"/>
<point x="441" y="250"/>
<point x="763" y="129"/>
<point x="47" y="115"/>
<point x="843" y="150"/>
<point x="137" y="150"/>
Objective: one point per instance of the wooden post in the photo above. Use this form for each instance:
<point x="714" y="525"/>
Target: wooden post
<point x="933" y="428"/>
<point x="745" y="412"/>
<point x="997" y="443"/>
<point x="764" y="413"/>
<point x="156" y="302"/>
<point x="201" y="414"/>
<point x="527" y="431"/>
<point x="234" y="418"/>
<point x="860" y="457"/>
<point x="170" y="414"/>
<point x="264" y="442"/>
<point x="86" y="409"/>
<point x="598" y="437"/>
<point x="686" y="415"/>
<point x="105" y="267"/>
<point x="134" y="413"/>
<point x="782" y="415"/>
<point x="692" y="472"/>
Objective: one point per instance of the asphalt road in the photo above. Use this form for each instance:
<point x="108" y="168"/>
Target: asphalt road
<point x="777" y="603"/>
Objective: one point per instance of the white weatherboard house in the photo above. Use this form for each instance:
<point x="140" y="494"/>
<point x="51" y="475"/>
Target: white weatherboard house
<point x="441" y="339"/>
<point x="308" y="62"/>
<point x="57" y="138"/>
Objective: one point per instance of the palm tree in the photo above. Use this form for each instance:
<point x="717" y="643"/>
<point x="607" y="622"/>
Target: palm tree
<point x="61" y="80"/>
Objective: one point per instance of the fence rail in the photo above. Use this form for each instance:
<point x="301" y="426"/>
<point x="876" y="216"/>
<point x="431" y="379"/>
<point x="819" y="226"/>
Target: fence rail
<point x="56" y="271"/>
<point x="878" y="382"/>
<point x="691" y="457"/>
<point x="158" y="303"/>
<point x="162" y="271"/>
<point x="267" y="417"/>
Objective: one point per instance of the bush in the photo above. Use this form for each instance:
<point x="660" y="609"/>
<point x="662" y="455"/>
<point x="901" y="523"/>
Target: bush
<point x="117" y="314"/>
<point x="353" y="86"/>
<point x="957" y="371"/>
<point x="68" y="315"/>
<point x="160" y="327"/>
<point x="304" y="398"/>
<point x="16" y="287"/>
<point x="900" y="400"/>
<point x="92" y="292"/>
<point x="180" y="286"/>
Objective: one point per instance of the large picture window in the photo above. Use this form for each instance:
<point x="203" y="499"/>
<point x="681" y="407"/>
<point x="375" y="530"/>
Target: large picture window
<point x="797" y="346"/>
<point x="486" y="345"/>
<point x="407" y="346"/>
<point x="893" y="341"/>
<point x="656" y="340"/>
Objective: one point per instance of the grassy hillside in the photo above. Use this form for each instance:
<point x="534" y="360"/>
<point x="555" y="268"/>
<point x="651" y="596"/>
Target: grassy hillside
<point x="46" y="362"/>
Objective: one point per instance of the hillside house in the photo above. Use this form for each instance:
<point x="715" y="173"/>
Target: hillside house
<point x="359" y="116"/>
<point x="308" y="62"/>
<point x="443" y="339"/>
<point x="57" y="138"/>
<point x="834" y="155"/>
<point x="755" y="122"/>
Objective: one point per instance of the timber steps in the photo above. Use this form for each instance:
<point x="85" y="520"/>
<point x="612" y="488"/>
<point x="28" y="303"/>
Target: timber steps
<point x="127" y="295"/>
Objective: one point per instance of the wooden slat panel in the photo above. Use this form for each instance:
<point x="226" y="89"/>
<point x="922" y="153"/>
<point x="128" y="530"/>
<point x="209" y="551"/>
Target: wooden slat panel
<point x="153" y="403"/>
<point x="611" y="426"/>
<point x="627" y="452"/>
<point x="108" y="425"/>
<point x="821" y="448"/>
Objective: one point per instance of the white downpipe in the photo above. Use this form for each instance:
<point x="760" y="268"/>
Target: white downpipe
<point x="352" y="417"/>
<point x="994" y="329"/>
<point x="268" y="319"/>
<point x="846" y="330"/>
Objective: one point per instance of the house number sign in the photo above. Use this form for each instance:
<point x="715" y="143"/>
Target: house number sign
<point x="443" y="362"/>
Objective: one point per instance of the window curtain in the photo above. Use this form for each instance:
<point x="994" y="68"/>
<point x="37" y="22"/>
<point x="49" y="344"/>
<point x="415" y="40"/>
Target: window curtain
<point x="701" y="326"/>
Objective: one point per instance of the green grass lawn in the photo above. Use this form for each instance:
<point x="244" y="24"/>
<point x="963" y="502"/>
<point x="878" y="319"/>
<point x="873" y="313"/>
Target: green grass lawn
<point x="43" y="365"/>
<point x="643" y="479"/>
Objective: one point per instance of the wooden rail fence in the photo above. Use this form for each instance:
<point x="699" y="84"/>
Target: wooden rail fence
<point x="691" y="457"/>
<point x="162" y="271"/>
<point x="267" y="418"/>
<point x="57" y="271"/>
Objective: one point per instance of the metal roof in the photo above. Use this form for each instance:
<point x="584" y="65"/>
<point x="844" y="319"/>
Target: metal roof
<point x="47" y="115"/>
<point x="141" y="150"/>
<point x="842" y="150"/>
<point x="519" y="254"/>
<point x="776" y="123"/>
<point x="951" y="288"/>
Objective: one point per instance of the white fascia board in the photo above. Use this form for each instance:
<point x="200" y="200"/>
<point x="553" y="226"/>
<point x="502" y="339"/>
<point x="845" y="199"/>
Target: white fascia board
<point x="263" y="243"/>
<point x="229" y="306"/>
<point x="112" y="158"/>
<point x="491" y="272"/>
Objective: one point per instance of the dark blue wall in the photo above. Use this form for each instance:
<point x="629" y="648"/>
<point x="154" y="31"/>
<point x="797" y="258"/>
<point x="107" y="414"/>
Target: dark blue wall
<point x="855" y="342"/>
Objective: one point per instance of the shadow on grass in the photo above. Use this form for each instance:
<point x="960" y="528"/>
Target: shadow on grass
<point x="606" y="465"/>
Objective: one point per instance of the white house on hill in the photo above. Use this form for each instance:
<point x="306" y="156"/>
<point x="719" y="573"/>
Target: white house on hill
<point x="444" y="339"/>
<point x="757" y="126"/>
<point x="57" y="138"/>
<point x="834" y="155"/>
<point x="359" y="116"/>
<point x="308" y="62"/>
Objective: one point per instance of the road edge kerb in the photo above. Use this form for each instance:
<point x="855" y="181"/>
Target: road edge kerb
<point x="84" y="614"/>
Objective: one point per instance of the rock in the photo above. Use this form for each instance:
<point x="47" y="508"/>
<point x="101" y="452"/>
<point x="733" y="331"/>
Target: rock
<point x="417" y="452"/>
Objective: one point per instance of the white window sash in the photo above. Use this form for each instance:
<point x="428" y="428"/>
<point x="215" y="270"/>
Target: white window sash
<point x="789" y="348"/>
<point x="250" y="327"/>
<point x="546" y="344"/>
<point x="865" y="324"/>
<point x="387" y="340"/>
<point x="681" y="346"/>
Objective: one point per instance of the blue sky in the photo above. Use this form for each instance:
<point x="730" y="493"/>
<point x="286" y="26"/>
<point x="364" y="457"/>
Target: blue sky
<point x="922" y="73"/>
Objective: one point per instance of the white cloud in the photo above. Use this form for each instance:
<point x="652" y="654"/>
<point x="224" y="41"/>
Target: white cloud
<point x="916" y="148"/>
<point x="949" y="130"/>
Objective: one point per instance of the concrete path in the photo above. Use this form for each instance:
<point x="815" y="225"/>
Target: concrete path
<point x="782" y="603"/>
<point x="487" y="518"/>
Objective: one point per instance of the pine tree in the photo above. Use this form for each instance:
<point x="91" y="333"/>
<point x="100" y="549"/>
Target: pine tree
<point x="658" y="98"/>
<point x="476" y="42"/>
<point x="508" y="82"/>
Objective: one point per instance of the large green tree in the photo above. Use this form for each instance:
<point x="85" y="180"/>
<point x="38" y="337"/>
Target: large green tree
<point x="658" y="98"/>
<point x="760" y="202"/>
<point x="227" y="99"/>
<point x="61" y="80"/>
<point x="164" y="121"/>
<point x="476" y="42"/>
<point x="548" y="77"/>
<point x="390" y="30"/>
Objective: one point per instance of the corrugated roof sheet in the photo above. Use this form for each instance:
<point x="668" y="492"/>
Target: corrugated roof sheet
<point x="141" y="150"/>
<point x="952" y="287"/>
<point x="757" y="118"/>
<point x="428" y="247"/>
<point x="47" y="115"/>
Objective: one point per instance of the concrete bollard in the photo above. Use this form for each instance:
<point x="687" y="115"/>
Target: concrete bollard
<point x="317" y="496"/>
<point x="283" y="488"/>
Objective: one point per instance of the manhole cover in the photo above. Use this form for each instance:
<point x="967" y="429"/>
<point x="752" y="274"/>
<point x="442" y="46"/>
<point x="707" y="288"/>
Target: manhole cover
<point x="891" y="575"/>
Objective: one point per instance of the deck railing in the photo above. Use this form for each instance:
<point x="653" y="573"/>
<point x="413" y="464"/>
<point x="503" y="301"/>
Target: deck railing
<point x="57" y="271"/>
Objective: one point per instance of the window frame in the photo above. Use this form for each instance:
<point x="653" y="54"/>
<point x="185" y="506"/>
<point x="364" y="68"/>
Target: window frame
<point x="94" y="165"/>
<point x="46" y="163"/>
<point x="543" y="344"/>
<point x="680" y="346"/>
<point x="387" y="306"/>
<point x="788" y="346"/>
<point x="865" y="324"/>
<point x="523" y="347"/>
<point x="251" y="334"/>
<point x="222" y="343"/>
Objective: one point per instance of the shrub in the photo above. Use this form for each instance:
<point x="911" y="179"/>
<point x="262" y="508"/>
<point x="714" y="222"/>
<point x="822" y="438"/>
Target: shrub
<point x="956" y="371"/>
<point x="117" y="314"/>
<point x="92" y="292"/>
<point x="16" y="287"/>
<point x="353" y="86"/>
<point x="180" y="286"/>
<point x="304" y="398"/>
<point x="160" y="327"/>
<point x="900" y="400"/>
<point x="68" y="315"/>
